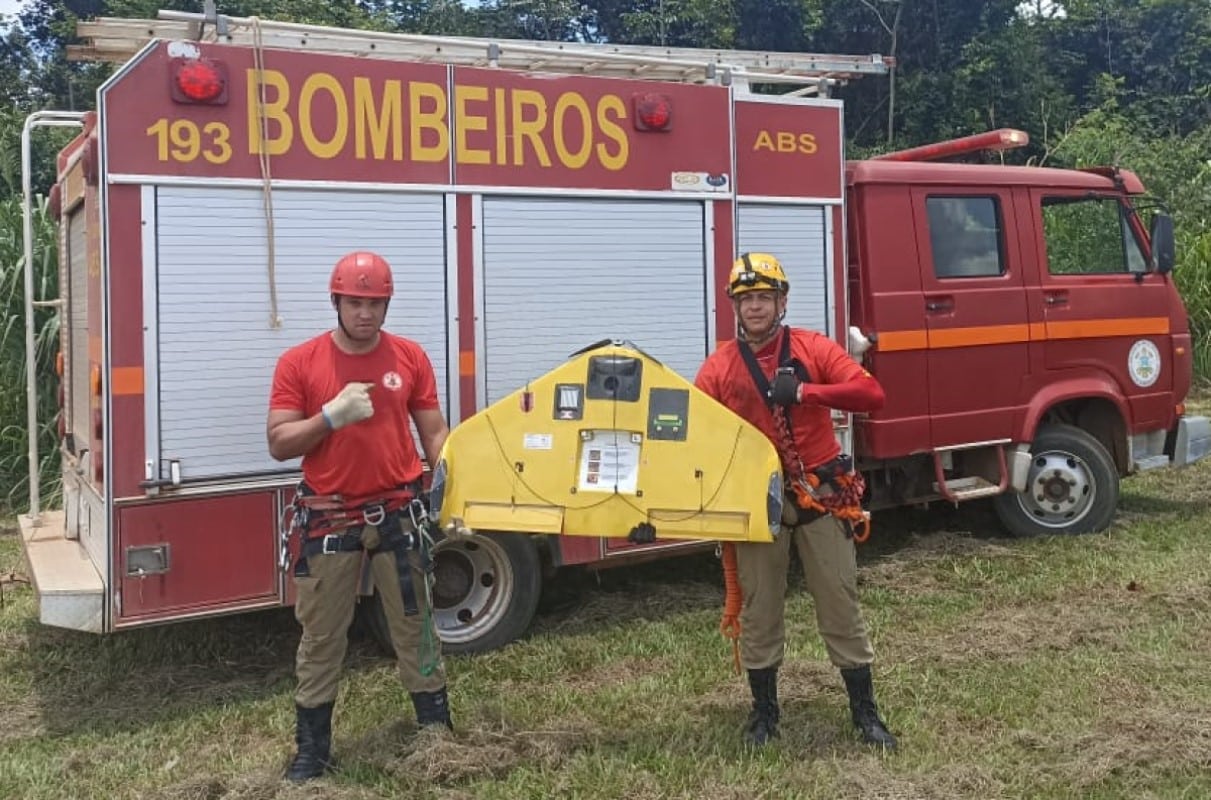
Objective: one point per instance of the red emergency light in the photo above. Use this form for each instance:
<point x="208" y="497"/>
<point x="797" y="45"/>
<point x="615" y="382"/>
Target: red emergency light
<point x="653" y="111"/>
<point x="199" y="80"/>
<point x="998" y="140"/>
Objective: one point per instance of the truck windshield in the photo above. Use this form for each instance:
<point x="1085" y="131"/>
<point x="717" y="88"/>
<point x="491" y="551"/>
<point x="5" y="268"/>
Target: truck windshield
<point x="1091" y="235"/>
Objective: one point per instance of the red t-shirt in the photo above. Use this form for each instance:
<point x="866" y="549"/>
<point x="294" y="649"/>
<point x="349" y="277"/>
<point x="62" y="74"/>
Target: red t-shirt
<point x="376" y="454"/>
<point x="725" y="377"/>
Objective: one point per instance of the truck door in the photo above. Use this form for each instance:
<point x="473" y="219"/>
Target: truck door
<point x="974" y="307"/>
<point x="1102" y="311"/>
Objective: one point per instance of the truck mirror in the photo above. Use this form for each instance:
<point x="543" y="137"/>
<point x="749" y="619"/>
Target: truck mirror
<point x="1164" y="246"/>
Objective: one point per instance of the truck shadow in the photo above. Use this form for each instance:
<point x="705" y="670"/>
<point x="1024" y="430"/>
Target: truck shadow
<point x="127" y="680"/>
<point x="580" y="601"/>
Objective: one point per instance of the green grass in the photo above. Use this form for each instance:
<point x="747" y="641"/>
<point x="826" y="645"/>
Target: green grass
<point x="1059" y="668"/>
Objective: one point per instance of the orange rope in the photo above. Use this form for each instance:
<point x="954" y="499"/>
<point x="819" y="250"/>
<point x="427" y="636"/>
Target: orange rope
<point x="845" y="504"/>
<point x="729" y="626"/>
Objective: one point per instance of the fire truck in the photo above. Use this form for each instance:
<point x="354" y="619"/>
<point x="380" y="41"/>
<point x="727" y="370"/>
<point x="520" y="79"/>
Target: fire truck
<point x="533" y="198"/>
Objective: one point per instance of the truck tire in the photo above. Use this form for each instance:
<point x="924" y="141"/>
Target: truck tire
<point x="1072" y="487"/>
<point x="485" y="594"/>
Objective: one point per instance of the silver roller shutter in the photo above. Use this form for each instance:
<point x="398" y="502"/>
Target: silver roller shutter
<point x="798" y="237"/>
<point x="216" y="349"/>
<point x="560" y="274"/>
<point x="77" y="331"/>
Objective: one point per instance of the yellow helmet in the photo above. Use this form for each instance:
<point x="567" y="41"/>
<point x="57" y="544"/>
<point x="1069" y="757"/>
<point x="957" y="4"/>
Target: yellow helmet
<point x="755" y="272"/>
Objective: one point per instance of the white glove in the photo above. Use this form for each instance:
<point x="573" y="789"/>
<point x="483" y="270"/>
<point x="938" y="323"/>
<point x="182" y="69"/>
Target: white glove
<point x="350" y="406"/>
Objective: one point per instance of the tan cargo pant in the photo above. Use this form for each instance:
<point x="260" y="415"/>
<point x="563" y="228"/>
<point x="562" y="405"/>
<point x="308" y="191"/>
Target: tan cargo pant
<point x="324" y="606"/>
<point x="830" y="567"/>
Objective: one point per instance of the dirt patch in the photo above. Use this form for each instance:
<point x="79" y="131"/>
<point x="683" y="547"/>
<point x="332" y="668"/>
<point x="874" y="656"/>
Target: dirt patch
<point x="19" y="718"/>
<point x="1147" y="738"/>
<point x="259" y="786"/>
<point x="617" y="673"/>
<point x="435" y="756"/>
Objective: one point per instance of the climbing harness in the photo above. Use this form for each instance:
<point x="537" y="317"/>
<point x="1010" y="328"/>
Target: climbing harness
<point x="834" y="487"/>
<point x="327" y="524"/>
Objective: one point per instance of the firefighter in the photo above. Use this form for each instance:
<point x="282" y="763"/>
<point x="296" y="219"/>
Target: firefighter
<point x="342" y="401"/>
<point x="784" y="380"/>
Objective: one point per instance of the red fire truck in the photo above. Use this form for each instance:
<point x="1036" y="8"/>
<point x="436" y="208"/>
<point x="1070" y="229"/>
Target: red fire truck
<point x="534" y="198"/>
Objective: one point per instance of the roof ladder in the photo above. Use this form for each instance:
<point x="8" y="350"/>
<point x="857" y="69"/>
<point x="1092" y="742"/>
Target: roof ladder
<point x="118" y="40"/>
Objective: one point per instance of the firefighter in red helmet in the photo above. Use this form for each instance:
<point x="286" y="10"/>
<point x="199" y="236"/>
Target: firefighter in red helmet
<point x="343" y="401"/>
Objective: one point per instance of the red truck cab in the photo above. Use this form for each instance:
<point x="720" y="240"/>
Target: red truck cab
<point x="1028" y="332"/>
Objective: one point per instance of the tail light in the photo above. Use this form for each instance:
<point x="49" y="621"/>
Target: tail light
<point x="199" y="80"/>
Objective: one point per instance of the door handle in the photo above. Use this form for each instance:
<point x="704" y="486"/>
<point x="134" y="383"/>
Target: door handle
<point x="1057" y="299"/>
<point x="936" y="304"/>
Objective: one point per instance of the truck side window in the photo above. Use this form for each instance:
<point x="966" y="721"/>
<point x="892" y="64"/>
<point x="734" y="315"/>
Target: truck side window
<point x="1089" y="236"/>
<point x="965" y="236"/>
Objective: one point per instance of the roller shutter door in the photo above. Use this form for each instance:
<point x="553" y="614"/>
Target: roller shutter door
<point x="216" y="349"/>
<point x="560" y="274"/>
<point x="797" y="236"/>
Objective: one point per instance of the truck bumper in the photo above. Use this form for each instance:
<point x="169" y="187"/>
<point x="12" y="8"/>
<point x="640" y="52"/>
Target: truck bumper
<point x="1191" y="440"/>
<point x="70" y="591"/>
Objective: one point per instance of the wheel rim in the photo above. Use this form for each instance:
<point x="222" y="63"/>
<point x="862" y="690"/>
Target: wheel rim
<point x="473" y="587"/>
<point x="1060" y="489"/>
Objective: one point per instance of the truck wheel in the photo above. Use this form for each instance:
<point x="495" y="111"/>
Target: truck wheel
<point x="1072" y="487"/>
<point x="485" y="594"/>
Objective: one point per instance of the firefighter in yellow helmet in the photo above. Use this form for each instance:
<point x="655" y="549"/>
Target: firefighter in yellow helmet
<point x="784" y="381"/>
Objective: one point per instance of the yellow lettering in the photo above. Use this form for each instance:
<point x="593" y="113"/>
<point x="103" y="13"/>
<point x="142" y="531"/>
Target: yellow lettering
<point x="613" y="131"/>
<point x="807" y="144"/>
<point x="315" y="83"/>
<point x="160" y="131"/>
<point x="378" y="122"/>
<point x="186" y="140"/>
<point x="502" y="129"/>
<point x="786" y="142"/>
<point x="220" y="146"/>
<point x="466" y="121"/>
<point x="764" y="142"/>
<point x="423" y="120"/>
<point x="531" y="129"/>
<point x="577" y="159"/>
<point x="273" y="111"/>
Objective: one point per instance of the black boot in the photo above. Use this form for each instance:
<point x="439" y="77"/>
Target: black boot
<point x="313" y="735"/>
<point x="862" y="705"/>
<point x="763" y="721"/>
<point x="432" y="708"/>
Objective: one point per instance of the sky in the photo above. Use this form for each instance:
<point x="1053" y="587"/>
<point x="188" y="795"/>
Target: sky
<point x="9" y="7"/>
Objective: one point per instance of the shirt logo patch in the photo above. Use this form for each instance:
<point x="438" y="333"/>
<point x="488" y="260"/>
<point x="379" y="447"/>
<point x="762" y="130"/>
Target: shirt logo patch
<point x="393" y="381"/>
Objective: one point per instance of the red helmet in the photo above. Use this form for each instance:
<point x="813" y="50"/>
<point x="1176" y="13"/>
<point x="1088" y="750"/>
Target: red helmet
<point x="362" y="274"/>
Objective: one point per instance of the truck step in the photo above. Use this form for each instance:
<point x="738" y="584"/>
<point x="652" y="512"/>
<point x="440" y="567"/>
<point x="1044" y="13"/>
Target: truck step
<point x="969" y="488"/>
<point x="70" y="590"/>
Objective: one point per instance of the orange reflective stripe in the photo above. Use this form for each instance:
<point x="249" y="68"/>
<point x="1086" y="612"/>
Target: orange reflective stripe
<point x="126" y="380"/>
<point x="943" y="338"/>
<point x="466" y="362"/>
<point x="985" y="334"/>
<point x="1096" y="328"/>
<point x="902" y="340"/>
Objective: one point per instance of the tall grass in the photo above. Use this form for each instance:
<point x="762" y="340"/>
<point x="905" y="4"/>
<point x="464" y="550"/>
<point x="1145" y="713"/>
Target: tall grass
<point x="14" y="442"/>
<point x="1177" y="170"/>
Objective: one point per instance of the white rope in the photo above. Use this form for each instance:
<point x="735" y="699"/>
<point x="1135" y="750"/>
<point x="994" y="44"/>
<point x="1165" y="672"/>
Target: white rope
<point x="258" y="56"/>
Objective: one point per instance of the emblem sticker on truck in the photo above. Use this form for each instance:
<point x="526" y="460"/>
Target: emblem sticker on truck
<point x="1144" y="363"/>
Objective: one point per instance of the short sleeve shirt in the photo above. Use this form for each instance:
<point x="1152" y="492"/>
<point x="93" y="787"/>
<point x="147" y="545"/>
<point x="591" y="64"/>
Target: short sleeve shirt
<point x="374" y="455"/>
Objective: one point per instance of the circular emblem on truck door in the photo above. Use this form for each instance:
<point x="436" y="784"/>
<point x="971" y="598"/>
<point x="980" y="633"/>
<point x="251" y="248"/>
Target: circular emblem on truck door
<point x="1144" y="363"/>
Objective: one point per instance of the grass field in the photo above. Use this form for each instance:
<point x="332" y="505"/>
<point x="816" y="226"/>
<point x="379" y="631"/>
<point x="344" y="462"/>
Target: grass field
<point x="1058" y="668"/>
